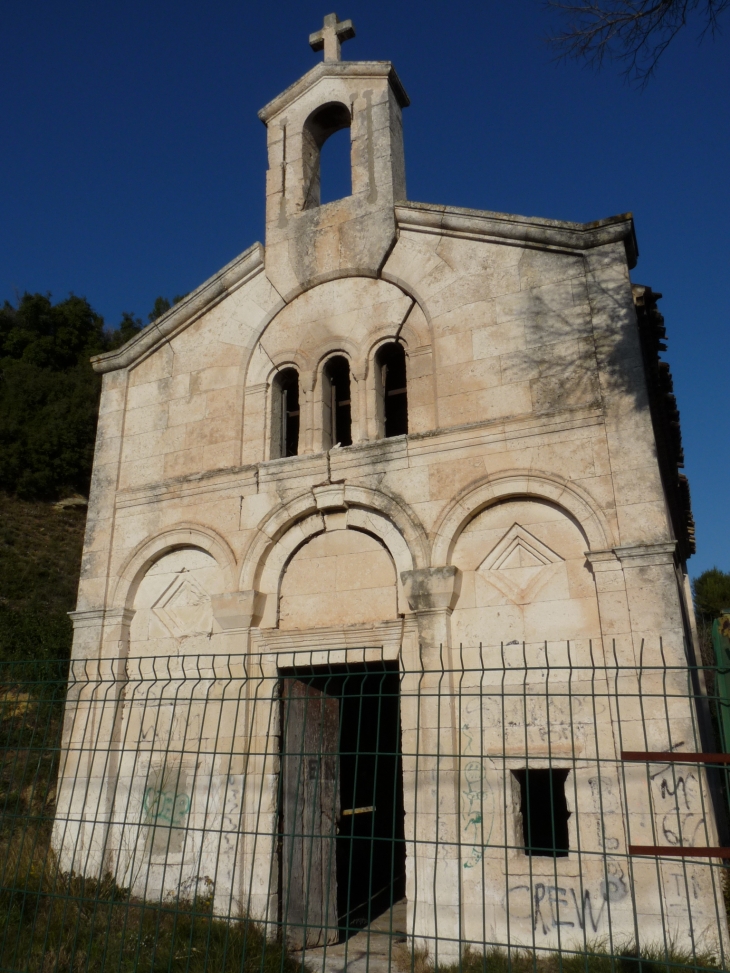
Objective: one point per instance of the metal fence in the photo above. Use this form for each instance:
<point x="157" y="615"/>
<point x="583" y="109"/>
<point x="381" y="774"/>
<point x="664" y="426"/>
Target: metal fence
<point x="514" y="807"/>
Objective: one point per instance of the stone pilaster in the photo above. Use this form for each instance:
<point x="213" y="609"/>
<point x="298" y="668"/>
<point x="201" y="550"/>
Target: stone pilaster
<point x="639" y="602"/>
<point x="432" y="594"/>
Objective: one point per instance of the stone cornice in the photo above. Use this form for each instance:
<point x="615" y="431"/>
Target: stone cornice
<point x="232" y="276"/>
<point x="641" y="555"/>
<point x="521" y="230"/>
<point x="335" y="69"/>
<point x="96" y="617"/>
<point x="633" y="556"/>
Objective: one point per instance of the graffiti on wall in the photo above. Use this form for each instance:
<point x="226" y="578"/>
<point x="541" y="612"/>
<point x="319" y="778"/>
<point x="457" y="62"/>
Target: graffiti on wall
<point x="569" y="906"/>
<point x="477" y="797"/>
<point x="166" y="805"/>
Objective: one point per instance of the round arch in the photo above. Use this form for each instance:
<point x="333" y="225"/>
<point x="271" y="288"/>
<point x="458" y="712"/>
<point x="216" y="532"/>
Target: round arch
<point x="516" y="483"/>
<point x="291" y="524"/>
<point x="414" y="318"/>
<point x="173" y="538"/>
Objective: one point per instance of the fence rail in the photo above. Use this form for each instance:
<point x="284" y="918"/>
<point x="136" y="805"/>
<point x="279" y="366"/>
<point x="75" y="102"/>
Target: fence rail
<point x="522" y="805"/>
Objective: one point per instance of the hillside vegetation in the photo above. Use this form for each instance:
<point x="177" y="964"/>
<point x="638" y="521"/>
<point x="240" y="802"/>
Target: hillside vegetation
<point x="40" y="559"/>
<point x="49" y="400"/>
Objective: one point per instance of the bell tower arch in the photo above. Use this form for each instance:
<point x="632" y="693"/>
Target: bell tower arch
<point x="306" y="241"/>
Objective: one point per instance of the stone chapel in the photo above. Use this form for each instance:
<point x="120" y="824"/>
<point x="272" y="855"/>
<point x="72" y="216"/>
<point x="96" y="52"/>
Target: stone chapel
<point x="434" y="432"/>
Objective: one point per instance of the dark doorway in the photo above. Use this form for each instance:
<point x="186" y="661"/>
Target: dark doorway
<point x="393" y="391"/>
<point x="343" y="848"/>
<point x="544" y="811"/>
<point x="336" y="402"/>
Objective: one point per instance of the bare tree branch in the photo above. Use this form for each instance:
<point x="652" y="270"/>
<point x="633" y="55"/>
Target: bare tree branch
<point x="635" y="32"/>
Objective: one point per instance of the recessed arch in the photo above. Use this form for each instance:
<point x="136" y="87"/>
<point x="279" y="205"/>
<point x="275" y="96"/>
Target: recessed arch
<point x="285" y="412"/>
<point x="320" y="126"/>
<point x="293" y="523"/>
<point x="519" y="483"/>
<point x="396" y="305"/>
<point x="336" y="400"/>
<point x="391" y="389"/>
<point x="173" y="538"/>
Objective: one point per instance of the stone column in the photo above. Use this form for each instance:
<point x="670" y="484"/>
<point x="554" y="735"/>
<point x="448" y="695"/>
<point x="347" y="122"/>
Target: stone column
<point x="431" y="766"/>
<point x="90" y="746"/>
<point x="639" y="601"/>
<point x="432" y="594"/>
<point x="613" y="609"/>
<point x="306" y="413"/>
<point x="653" y="597"/>
<point x="249" y="776"/>
<point x="359" y="403"/>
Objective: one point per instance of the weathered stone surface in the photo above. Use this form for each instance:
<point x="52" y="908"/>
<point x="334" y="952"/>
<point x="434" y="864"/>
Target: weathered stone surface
<point x="522" y="508"/>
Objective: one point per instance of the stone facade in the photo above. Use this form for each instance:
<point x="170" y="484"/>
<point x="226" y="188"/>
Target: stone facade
<point x="528" y="504"/>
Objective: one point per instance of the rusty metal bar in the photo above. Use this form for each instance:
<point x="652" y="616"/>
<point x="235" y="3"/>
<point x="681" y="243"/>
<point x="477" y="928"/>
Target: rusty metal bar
<point x="663" y="757"/>
<point x="669" y="851"/>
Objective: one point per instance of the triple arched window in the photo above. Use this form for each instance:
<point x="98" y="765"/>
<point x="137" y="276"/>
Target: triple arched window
<point x="336" y="388"/>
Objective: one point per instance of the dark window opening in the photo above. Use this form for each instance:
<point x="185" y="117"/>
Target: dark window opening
<point x="326" y="155"/>
<point x="393" y="393"/>
<point x="544" y="811"/>
<point x="336" y="402"/>
<point x="286" y="413"/>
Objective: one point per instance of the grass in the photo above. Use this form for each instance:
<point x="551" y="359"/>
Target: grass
<point x="596" y="959"/>
<point x="62" y="924"/>
<point x="56" y="923"/>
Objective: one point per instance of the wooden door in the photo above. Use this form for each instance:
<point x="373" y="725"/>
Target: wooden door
<point x="311" y="807"/>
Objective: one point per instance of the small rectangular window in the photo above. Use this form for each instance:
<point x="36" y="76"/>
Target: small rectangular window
<point x="544" y="812"/>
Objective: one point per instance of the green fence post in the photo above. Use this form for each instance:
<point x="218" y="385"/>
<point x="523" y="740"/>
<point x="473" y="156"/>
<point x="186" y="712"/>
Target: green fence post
<point x="721" y="644"/>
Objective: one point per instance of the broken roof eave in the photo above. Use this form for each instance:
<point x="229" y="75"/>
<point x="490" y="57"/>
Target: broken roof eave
<point x="556" y="235"/>
<point x="525" y="230"/>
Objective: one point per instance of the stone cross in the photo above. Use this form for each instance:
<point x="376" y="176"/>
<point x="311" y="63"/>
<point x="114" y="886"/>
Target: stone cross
<point x="332" y="35"/>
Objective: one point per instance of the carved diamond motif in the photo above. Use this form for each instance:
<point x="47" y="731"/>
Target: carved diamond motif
<point x="519" y="565"/>
<point x="184" y="607"/>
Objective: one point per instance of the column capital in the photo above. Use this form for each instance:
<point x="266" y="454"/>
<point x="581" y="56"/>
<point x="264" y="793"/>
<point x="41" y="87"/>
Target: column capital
<point x="96" y="617"/>
<point x="235" y="610"/>
<point x="427" y="589"/>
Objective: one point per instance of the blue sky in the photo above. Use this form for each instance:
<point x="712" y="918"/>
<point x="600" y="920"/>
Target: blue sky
<point x="132" y="161"/>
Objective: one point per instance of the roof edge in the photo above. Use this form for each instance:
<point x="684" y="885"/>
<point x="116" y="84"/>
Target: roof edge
<point x="552" y="234"/>
<point x="335" y="69"/>
<point x="237" y="272"/>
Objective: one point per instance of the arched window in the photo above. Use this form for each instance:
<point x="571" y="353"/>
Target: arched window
<point x="335" y="175"/>
<point x="285" y="414"/>
<point x="337" y="416"/>
<point x="390" y="381"/>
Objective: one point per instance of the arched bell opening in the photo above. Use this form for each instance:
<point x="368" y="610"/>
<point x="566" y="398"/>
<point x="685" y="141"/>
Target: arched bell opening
<point x="328" y="173"/>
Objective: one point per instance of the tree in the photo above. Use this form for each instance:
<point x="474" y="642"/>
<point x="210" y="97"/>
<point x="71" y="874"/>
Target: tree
<point x="162" y="305"/>
<point x="635" y="32"/>
<point x="49" y="393"/>
<point x="129" y="326"/>
<point x="711" y="591"/>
